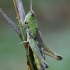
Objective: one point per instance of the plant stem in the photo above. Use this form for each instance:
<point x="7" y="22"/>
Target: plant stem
<point x="21" y="15"/>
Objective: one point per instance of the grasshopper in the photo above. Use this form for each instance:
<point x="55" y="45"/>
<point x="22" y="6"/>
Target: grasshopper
<point x="34" y="39"/>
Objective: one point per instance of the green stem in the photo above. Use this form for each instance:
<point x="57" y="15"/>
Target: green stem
<point x="24" y="39"/>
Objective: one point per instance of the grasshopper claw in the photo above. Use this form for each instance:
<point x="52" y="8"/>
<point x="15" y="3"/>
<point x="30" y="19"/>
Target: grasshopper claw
<point x="46" y="65"/>
<point x="23" y="42"/>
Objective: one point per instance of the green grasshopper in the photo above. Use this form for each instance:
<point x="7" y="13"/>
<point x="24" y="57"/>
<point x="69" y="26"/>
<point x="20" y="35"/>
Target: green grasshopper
<point x="34" y="39"/>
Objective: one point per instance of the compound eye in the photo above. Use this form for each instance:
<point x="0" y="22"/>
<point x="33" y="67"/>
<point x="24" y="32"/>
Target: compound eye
<point x="32" y="14"/>
<point x="26" y="23"/>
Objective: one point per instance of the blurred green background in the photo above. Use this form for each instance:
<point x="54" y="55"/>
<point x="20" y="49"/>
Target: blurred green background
<point x="54" y="22"/>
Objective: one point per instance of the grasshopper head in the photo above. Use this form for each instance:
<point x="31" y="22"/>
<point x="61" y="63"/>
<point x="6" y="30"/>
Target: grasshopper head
<point x="30" y="17"/>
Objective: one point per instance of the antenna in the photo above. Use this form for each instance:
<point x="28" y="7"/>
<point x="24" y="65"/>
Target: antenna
<point x="30" y="1"/>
